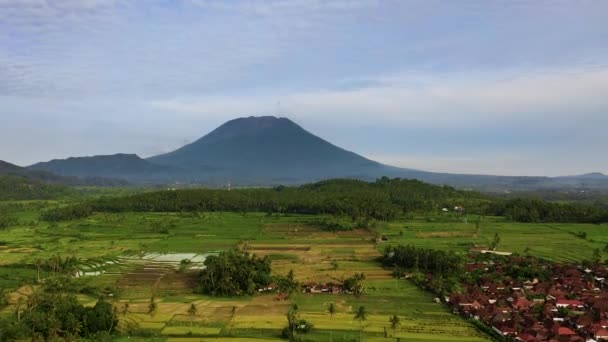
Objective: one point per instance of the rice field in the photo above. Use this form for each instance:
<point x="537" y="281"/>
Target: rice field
<point x="124" y="253"/>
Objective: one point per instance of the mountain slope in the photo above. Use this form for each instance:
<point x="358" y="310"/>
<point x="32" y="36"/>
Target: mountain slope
<point x="124" y="166"/>
<point x="8" y="169"/>
<point x="266" y="149"/>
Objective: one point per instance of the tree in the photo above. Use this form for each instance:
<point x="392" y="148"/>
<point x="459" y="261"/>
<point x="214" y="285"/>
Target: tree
<point x="152" y="306"/>
<point x="125" y="308"/>
<point x="18" y="309"/>
<point x="291" y="283"/>
<point x="234" y="273"/>
<point x="354" y="284"/>
<point x="597" y="255"/>
<point x="192" y="310"/>
<point x="331" y="308"/>
<point x="361" y="316"/>
<point x="335" y="265"/>
<point x="496" y="241"/>
<point x="292" y="322"/>
<point x="395" y="322"/>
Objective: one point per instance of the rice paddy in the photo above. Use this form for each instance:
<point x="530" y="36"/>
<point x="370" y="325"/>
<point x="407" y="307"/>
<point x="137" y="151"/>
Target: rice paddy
<point x="122" y="252"/>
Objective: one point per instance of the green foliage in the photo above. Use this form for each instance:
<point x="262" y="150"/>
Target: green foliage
<point x="422" y="259"/>
<point x="295" y="325"/>
<point x="534" y="210"/>
<point x="343" y="223"/>
<point x="233" y="273"/>
<point x="58" y="316"/>
<point x="71" y="212"/>
<point x="6" y="219"/>
<point x="495" y="241"/>
<point x="22" y="188"/>
<point x="331" y="308"/>
<point x="361" y="314"/>
<point x="288" y="284"/>
<point x="354" y="284"/>
<point x="361" y="201"/>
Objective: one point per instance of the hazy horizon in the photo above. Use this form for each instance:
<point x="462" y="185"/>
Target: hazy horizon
<point x="515" y="88"/>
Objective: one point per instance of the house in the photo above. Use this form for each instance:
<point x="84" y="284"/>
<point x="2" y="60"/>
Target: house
<point x="563" y="331"/>
<point x="269" y="288"/>
<point x="601" y="335"/>
<point x="570" y="303"/>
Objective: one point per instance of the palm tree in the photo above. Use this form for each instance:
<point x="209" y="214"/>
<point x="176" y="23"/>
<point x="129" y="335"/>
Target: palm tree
<point x="192" y="310"/>
<point x="361" y="316"/>
<point x="395" y="322"/>
<point x="18" y="309"/>
<point x="38" y="262"/>
<point x="292" y="320"/>
<point x="331" y="308"/>
<point x="152" y="306"/>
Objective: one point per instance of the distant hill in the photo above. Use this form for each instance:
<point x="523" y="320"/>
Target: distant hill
<point x="122" y="166"/>
<point x="264" y="151"/>
<point x="8" y="169"/>
<point x="45" y="176"/>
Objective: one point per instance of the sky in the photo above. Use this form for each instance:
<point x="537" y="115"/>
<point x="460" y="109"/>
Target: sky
<point x="486" y="87"/>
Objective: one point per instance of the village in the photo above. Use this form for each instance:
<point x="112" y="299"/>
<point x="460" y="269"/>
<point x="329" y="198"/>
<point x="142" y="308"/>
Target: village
<point x="526" y="299"/>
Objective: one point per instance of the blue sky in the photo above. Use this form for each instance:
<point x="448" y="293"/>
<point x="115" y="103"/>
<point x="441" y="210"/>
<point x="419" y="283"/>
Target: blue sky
<point x="494" y="87"/>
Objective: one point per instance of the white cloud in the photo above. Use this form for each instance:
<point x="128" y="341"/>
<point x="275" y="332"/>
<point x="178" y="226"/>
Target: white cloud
<point x="452" y="99"/>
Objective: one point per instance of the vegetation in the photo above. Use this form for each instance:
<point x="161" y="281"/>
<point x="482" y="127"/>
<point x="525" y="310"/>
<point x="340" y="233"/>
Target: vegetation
<point x="286" y="235"/>
<point x="422" y="259"/>
<point x="534" y="210"/>
<point x="346" y="204"/>
<point x="58" y="316"/>
<point x="234" y="273"/>
<point x="22" y="188"/>
<point x="361" y="201"/>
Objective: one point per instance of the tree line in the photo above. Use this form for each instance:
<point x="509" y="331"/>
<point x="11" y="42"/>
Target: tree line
<point x="380" y="200"/>
<point x="356" y="200"/>
<point x="417" y="259"/>
<point x="536" y="210"/>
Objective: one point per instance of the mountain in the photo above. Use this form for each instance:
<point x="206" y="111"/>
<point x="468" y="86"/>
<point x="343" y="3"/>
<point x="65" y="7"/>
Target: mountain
<point x="592" y="175"/>
<point x="262" y="150"/>
<point x="122" y="166"/>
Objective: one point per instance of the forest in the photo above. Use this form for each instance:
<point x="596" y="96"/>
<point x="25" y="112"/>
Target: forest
<point x="382" y="200"/>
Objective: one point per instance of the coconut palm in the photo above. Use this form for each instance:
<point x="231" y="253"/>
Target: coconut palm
<point x="361" y="316"/>
<point x="395" y="322"/>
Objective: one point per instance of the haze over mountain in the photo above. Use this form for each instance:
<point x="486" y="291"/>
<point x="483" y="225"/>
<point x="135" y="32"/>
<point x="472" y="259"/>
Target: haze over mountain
<point x="260" y="151"/>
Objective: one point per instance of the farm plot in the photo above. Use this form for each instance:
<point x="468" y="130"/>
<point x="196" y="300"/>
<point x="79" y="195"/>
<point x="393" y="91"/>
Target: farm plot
<point x="160" y="274"/>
